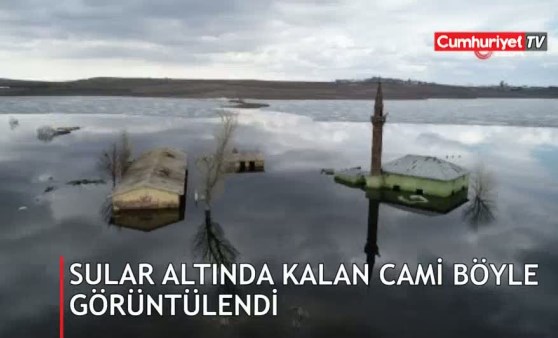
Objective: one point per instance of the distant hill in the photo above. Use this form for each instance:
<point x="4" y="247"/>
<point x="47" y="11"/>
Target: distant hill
<point x="255" y="89"/>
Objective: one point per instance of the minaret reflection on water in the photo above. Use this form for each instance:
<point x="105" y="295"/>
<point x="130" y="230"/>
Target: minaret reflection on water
<point x="426" y="205"/>
<point x="371" y="247"/>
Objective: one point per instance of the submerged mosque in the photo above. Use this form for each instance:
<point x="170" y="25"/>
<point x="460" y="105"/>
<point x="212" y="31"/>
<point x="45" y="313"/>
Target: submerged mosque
<point x="420" y="175"/>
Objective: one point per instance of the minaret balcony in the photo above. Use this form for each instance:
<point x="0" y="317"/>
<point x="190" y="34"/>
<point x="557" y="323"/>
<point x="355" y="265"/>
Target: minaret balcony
<point x="378" y="120"/>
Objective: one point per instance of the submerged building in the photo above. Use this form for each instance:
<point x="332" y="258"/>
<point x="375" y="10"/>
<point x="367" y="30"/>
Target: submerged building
<point x="245" y="162"/>
<point x="156" y="180"/>
<point x="421" y="175"/>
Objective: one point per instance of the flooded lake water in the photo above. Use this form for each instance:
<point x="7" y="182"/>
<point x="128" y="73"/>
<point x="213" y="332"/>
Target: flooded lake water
<point x="290" y="213"/>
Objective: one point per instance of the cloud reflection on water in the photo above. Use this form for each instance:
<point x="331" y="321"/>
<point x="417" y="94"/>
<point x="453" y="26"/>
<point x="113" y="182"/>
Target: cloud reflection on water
<point x="290" y="213"/>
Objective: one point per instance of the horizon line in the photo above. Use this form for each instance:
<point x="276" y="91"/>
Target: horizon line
<point x="357" y="80"/>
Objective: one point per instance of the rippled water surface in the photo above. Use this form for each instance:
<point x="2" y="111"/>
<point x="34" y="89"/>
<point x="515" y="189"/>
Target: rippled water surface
<point x="290" y="213"/>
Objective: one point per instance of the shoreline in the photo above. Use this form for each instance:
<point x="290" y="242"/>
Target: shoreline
<point x="265" y="90"/>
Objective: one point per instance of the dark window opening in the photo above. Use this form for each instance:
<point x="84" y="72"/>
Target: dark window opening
<point x="420" y="192"/>
<point x="242" y="166"/>
<point x="252" y="166"/>
<point x="396" y="188"/>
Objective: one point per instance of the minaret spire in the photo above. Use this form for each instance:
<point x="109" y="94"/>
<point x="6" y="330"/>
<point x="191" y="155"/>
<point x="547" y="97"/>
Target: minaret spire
<point x="378" y="120"/>
<point x="379" y="102"/>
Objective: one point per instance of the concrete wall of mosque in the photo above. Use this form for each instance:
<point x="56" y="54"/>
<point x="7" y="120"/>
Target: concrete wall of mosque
<point x="418" y="185"/>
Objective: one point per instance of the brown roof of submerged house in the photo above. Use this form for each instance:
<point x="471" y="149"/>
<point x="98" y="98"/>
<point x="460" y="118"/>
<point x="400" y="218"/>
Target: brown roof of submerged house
<point x="161" y="169"/>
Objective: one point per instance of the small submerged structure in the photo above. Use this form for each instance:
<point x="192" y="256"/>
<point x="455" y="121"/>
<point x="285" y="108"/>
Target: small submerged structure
<point x="420" y="175"/>
<point x="13" y="122"/>
<point x="243" y="162"/>
<point x="241" y="103"/>
<point x="156" y="180"/>
<point x="355" y="178"/>
<point x="48" y="133"/>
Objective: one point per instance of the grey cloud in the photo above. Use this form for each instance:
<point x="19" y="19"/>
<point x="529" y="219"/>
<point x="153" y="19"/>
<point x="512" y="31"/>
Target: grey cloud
<point x="135" y="20"/>
<point x="275" y="39"/>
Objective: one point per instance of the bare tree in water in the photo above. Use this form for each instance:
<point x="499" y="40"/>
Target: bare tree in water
<point x="109" y="163"/>
<point x="211" y="245"/>
<point x="210" y="242"/>
<point x="124" y="152"/>
<point x="214" y="167"/>
<point x="116" y="160"/>
<point x="481" y="208"/>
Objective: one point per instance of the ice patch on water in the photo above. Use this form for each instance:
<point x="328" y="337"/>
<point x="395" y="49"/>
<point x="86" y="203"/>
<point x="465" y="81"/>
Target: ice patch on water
<point x="505" y="112"/>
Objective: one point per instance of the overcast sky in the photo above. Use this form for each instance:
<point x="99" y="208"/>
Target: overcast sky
<point x="268" y="39"/>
